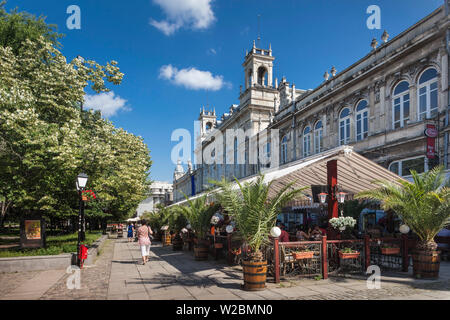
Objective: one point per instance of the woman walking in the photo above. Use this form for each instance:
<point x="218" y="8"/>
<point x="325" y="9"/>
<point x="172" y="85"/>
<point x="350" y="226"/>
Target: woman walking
<point x="130" y="232"/>
<point x="144" y="233"/>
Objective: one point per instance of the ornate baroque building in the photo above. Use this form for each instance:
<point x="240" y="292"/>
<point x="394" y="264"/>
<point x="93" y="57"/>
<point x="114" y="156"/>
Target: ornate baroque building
<point x="382" y="105"/>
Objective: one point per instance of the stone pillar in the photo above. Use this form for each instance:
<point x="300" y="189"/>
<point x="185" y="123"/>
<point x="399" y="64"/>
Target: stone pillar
<point x="414" y="106"/>
<point x="270" y="76"/>
<point x="444" y="81"/>
<point x="383" y="110"/>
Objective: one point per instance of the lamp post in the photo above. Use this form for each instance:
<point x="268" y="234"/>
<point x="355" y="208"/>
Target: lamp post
<point x="81" y="185"/>
<point x="341" y="199"/>
<point x="275" y="232"/>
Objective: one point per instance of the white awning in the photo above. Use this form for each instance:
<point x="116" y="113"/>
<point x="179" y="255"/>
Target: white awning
<point x="355" y="173"/>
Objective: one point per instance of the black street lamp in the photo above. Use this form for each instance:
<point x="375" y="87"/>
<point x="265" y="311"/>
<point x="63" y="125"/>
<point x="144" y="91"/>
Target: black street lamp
<point x="81" y="185"/>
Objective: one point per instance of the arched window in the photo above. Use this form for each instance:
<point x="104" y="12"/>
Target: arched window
<point x="344" y="126"/>
<point x="318" y="137"/>
<point x="262" y="76"/>
<point x="306" y="142"/>
<point x="428" y="94"/>
<point x="362" y="120"/>
<point x="403" y="167"/>
<point x="235" y="151"/>
<point x="284" y="150"/>
<point x="208" y="126"/>
<point x="400" y="105"/>
<point x="213" y="155"/>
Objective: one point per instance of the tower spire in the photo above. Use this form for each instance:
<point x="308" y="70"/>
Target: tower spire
<point x="259" y="31"/>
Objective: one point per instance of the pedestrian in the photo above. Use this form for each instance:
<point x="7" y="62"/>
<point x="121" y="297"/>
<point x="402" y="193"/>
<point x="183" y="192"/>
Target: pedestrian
<point x="144" y="233"/>
<point x="130" y="232"/>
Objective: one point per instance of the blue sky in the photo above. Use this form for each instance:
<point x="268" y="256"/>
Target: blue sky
<point x="308" y="37"/>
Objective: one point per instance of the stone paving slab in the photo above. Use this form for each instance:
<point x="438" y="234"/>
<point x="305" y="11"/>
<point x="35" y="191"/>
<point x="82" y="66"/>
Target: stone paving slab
<point x="35" y="287"/>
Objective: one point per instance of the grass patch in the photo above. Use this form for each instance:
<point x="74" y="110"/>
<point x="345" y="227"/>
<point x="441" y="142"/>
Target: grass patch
<point x="10" y="232"/>
<point x="55" y="245"/>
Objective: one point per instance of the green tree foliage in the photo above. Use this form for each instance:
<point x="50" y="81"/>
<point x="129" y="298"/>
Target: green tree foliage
<point x="253" y="210"/>
<point x="16" y="27"/>
<point x="423" y="205"/>
<point x="45" y="140"/>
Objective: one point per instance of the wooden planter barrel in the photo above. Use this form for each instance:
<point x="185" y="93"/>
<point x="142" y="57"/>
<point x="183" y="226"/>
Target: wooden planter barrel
<point x="166" y="239"/>
<point x="255" y="273"/>
<point x="201" y="252"/>
<point x="426" y="264"/>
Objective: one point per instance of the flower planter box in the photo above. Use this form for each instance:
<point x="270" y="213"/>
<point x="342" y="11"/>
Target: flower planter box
<point x="353" y="255"/>
<point x="390" y="251"/>
<point x="303" y="255"/>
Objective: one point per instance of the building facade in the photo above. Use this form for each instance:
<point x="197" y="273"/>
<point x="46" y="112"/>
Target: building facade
<point x="392" y="106"/>
<point x="160" y="193"/>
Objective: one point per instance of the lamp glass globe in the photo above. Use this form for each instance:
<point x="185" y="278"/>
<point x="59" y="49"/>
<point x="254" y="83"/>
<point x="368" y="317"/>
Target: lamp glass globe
<point x="275" y="232"/>
<point x="404" y="229"/>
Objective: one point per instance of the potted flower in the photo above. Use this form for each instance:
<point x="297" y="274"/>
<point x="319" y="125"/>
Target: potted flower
<point x="389" y="249"/>
<point x="255" y="213"/>
<point x="424" y="205"/>
<point x="302" y="255"/>
<point x="342" y="223"/>
<point x="199" y="213"/>
<point x="348" y="253"/>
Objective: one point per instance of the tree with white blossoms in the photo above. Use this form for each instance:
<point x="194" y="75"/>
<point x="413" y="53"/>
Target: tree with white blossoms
<point x="45" y="141"/>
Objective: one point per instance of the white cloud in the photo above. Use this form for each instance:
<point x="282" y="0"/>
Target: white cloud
<point x="107" y="102"/>
<point x="212" y="51"/>
<point x="192" y="78"/>
<point x="195" y="14"/>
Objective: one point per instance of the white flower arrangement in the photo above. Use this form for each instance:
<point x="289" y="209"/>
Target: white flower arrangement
<point x="215" y="220"/>
<point x="342" y="223"/>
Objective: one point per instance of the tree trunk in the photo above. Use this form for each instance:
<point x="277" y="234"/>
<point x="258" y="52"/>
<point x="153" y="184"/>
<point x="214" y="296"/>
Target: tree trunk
<point x="4" y="210"/>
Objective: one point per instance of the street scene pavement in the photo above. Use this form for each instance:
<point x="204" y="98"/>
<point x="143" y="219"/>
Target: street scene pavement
<point x="118" y="274"/>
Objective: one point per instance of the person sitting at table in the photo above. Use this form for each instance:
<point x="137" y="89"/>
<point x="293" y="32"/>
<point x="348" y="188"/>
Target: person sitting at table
<point x="301" y="235"/>
<point x="284" y="237"/>
<point x="316" y="233"/>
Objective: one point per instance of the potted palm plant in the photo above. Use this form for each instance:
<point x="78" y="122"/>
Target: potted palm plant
<point x="178" y="221"/>
<point x="199" y="213"/>
<point x="255" y="214"/>
<point x="424" y="205"/>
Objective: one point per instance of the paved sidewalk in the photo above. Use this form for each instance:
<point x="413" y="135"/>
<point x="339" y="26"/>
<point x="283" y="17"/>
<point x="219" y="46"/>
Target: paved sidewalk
<point x="118" y="274"/>
<point x="176" y="275"/>
<point x="34" y="288"/>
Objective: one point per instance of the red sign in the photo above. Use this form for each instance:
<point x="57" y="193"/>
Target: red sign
<point x="431" y="134"/>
